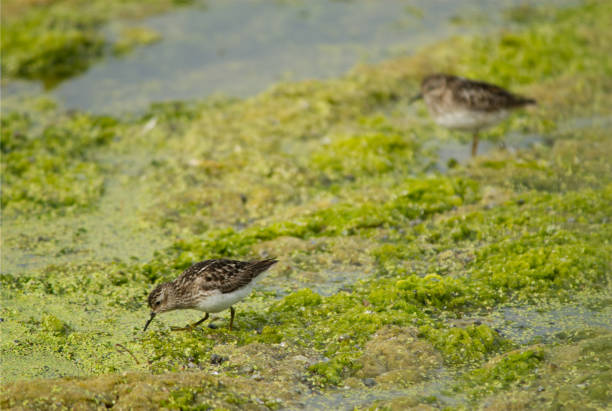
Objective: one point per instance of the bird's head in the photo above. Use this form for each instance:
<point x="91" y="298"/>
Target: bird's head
<point x="433" y="83"/>
<point x="160" y="300"/>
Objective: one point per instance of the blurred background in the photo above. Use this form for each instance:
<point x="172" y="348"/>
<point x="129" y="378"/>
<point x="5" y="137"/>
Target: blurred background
<point x="238" y="48"/>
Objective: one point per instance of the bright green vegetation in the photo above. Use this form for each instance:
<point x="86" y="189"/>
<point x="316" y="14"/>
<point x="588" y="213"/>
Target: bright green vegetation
<point x="135" y="36"/>
<point x="49" y="159"/>
<point x="505" y="371"/>
<point x="459" y="345"/>
<point x="52" y="40"/>
<point x="364" y="154"/>
<point x="392" y="274"/>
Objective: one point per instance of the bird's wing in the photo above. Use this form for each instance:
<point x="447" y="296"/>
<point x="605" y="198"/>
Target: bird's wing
<point x="478" y="95"/>
<point x="224" y="275"/>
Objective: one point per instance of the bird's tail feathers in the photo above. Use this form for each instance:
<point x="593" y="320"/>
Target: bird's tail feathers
<point x="260" y="266"/>
<point x="526" y="101"/>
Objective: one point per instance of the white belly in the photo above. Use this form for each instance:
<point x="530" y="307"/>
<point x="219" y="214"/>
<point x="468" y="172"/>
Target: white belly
<point x="219" y="302"/>
<point x="467" y="120"/>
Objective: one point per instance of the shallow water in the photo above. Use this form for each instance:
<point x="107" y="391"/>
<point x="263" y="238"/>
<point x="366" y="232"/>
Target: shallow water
<point x="350" y="399"/>
<point x="239" y="48"/>
<point x="525" y="325"/>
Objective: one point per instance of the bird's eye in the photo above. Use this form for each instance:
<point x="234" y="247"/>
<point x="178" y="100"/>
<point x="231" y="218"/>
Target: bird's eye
<point x="156" y="303"/>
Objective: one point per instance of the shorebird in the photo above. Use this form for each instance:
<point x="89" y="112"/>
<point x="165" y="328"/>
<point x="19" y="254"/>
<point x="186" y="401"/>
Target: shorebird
<point x="467" y="105"/>
<point x="210" y="286"/>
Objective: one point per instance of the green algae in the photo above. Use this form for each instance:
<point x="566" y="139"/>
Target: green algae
<point x="370" y="154"/>
<point x="413" y="198"/>
<point x="54" y="40"/>
<point x="54" y="325"/>
<point x="567" y="376"/>
<point x="128" y="390"/>
<point x="520" y="228"/>
<point x="502" y="373"/>
<point x="53" y="49"/>
<point x="133" y="37"/>
<point x="396" y="357"/>
<point x="465" y="345"/>
<point x="48" y="159"/>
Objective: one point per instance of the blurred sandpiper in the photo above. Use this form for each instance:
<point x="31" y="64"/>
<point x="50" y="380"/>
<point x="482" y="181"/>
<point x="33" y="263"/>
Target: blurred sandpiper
<point x="210" y="286"/>
<point x="468" y="105"/>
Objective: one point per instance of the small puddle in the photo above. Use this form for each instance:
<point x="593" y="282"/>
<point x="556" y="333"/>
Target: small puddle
<point x="354" y="398"/>
<point x="528" y="324"/>
<point x="458" y="149"/>
<point x="455" y="151"/>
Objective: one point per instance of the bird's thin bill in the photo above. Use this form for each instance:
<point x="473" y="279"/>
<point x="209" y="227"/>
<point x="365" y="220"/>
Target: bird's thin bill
<point x="149" y="322"/>
<point x="415" y="98"/>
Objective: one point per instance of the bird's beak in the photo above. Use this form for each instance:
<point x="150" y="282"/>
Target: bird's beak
<point x="415" y="98"/>
<point x="149" y="322"/>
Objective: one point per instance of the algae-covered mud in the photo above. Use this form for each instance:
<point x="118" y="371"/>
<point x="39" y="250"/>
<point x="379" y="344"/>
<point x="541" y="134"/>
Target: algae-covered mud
<point x="410" y="276"/>
<point x="51" y="40"/>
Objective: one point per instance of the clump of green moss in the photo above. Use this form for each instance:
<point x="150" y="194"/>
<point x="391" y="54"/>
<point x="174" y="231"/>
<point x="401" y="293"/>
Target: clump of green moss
<point x="51" y="41"/>
<point x="464" y="345"/>
<point x="199" y="399"/>
<point x="54" y="325"/>
<point x="532" y="266"/>
<point x="184" y="399"/>
<point x="396" y="356"/>
<point x="435" y="291"/>
<point x="298" y="300"/>
<point x="526" y="250"/>
<point x="511" y="369"/>
<point x="335" y="370"/>
<point x="370" y="154"/>
<point x="50" y="48"/>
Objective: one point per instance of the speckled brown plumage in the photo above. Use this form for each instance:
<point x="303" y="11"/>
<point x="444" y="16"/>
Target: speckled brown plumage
<point x="209" y="286"/>
<point x="223" y="275"/>
<point x="446" y="90"/>
<point x="468" y="105"/>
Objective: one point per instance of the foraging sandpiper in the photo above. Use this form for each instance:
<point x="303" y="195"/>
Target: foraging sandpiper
<point x="210" y="286"/>
<point x="468" y="105"/>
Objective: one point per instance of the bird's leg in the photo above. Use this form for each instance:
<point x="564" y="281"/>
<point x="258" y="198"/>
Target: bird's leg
<point x="190" y="327"/>
<point x="475" y="144"/>
<point x="233" y="312"/>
